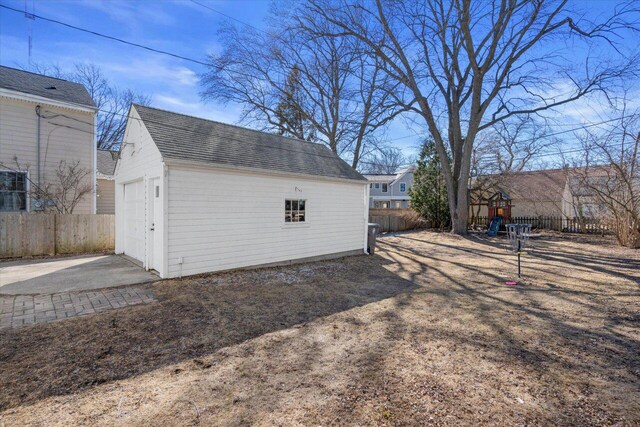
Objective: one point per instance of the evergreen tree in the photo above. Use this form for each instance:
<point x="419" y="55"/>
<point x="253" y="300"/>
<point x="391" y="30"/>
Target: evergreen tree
<point x="429" y="191"/>
<point x="290" y="112"/>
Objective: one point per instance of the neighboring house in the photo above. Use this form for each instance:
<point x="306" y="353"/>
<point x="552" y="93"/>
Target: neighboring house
<point x="196" y="196"/>
<point x="105" y="184"/>
<point x="45" y="123"/>
<point x="541" y="193"/>
<point x="392" y="190"/>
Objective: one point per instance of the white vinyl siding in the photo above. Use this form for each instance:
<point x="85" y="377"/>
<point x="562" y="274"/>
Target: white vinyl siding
<point x="71" y="140"/>
<point x="239" y="221"/>
<point x="105" y="202"/>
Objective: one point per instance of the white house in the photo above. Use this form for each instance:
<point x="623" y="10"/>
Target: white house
<point x="195" y="196"/>
<point x="105" y="187"/>
<point x="390" y="190"/>
<point x="46" y="126"/>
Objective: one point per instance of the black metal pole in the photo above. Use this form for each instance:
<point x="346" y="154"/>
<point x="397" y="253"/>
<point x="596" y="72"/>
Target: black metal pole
<point x="518" y="257"/>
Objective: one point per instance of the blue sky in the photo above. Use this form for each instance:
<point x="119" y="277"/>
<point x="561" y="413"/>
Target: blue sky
<point x="178" y="26"/>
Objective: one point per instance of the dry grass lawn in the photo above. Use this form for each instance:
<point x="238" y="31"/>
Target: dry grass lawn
<point x="423" y="333"/>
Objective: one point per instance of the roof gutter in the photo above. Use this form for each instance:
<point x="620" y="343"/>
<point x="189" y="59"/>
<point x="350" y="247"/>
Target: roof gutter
<point x="23" y="96"/>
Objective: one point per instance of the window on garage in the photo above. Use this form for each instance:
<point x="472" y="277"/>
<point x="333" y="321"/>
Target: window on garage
<point x="295" y="210"/>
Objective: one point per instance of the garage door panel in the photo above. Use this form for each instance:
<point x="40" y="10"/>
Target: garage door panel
<point x="134" y="220"/>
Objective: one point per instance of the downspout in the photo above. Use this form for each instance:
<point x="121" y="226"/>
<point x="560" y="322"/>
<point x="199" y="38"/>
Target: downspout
<point x="38" y="145"/>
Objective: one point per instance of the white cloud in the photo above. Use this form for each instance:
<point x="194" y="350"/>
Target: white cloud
<point x="227" y="114"/>
<point x="154" y="69"/>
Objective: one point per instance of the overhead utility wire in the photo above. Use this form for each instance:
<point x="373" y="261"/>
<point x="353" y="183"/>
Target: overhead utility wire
<point x="229" y="16"/>
<point x="138" y="45"/>
<point x="142" y="121"/>
<point x="174" y="55"/>
<point x="163" y="52"/>
<point x="106" y="36"/>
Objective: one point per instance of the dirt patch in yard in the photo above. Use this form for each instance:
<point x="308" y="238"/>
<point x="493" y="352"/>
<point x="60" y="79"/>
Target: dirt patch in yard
<point x="424" y="333"/>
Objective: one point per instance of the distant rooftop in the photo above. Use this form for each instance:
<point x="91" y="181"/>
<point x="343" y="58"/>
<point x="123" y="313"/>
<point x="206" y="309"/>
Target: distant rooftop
<point x="387" y="177"/>
<point x="106" y="162"/>
<point x="44" y="86"/>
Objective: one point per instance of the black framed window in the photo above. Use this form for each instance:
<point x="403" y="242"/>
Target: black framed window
<point x="295" y="210"/>
<point x="13" y="191"/>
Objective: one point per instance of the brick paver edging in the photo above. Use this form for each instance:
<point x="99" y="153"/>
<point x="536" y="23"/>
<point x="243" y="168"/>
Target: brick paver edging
<point x="22" y="310"/>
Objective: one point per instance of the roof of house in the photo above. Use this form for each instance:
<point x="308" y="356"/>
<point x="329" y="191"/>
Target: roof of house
<point x="380" y="177"/>
<point x="187" y="138"/>
<point x="44" y="86"/>
<point x="540" y="185"/>
<point x="106" y="161"/>
<point x="385" y="177"/>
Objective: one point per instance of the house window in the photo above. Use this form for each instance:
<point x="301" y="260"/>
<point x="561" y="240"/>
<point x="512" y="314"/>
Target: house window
<point x="294" y="210"/>
<point x="13" y="191"/>
<point x="403" y="187"/>
<point x="377" y="185"/>
<point x="370" y="185"/>
<point x="385" y="188"/>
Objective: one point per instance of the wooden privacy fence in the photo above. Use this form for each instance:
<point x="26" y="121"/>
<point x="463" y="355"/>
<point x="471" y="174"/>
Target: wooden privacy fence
<point x="396" y="219"/>
<point x="24" y="234"/>
<point x="571" y="225"/>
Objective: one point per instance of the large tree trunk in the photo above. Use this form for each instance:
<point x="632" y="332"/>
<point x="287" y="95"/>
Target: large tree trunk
<point x="460" y="214"/>
<point x="460" y="208"/>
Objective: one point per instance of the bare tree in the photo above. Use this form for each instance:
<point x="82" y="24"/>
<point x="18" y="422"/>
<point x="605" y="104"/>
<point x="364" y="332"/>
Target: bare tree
<point x="608" y="179"/>
<point x="71" y="185"/>
<point x="509" y="147"/>
<point x="465" y="66"/>
<point x="386" y="160"/>
<point x="289" y="81"/>
<point x="112" y="102"/>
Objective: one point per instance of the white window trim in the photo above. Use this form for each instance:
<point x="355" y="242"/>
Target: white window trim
<point x="302" y="224"/>
<point x="400" y="187"/>
<point x="377" y="185"/>
<point x="27" y="189"/>
<point x="382" y="189"/>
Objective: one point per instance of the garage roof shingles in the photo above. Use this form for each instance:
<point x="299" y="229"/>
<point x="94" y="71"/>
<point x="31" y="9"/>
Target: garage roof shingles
<point x="44" y="86"/>
<point x="187" y="138"/>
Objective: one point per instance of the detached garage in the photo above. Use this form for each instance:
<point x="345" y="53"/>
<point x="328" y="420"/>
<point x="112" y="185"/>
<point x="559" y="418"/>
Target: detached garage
<point x="196" y="196"/>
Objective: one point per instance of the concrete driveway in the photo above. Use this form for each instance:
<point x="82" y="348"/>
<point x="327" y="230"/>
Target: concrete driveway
<point x="78" y="273"/>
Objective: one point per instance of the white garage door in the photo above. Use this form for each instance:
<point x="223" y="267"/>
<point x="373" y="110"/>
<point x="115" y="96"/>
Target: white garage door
<point x="134" y="220"/>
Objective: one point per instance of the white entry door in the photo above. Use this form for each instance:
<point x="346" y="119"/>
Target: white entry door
<point x="156" y="231"/>
<point x="134" y="220"/>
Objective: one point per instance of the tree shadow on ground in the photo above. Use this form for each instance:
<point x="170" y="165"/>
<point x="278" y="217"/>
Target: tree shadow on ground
<point x="444" y="338"/>
<point x="193" y="318"/>
<point x="549" y="251"/>
<point x="559" y="342"/>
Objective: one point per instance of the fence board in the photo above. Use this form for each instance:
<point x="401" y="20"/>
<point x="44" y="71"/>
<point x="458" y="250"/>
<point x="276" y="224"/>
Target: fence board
<point x="395" y="219"/>
<point x="24" y="234"/>
<point x="571" y="225"/>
